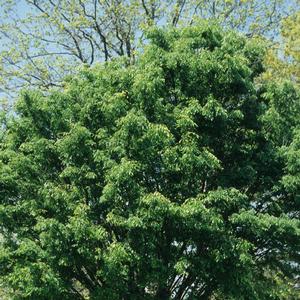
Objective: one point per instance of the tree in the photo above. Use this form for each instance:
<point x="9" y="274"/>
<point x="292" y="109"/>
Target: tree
<point x="43" y="41"/>
<point x="171" y="178"/>
<point x="283" y="59"/>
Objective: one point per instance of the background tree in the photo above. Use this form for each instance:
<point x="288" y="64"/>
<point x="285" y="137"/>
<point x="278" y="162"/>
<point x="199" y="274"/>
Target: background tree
<point x="43" y="41"/>
<point x="172" y="178"/>
<point x="283" y="59"/>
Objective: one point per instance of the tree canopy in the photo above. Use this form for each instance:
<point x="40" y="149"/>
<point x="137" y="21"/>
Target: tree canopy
<point x="44" y="40"/>
<point x="175" y="177"/>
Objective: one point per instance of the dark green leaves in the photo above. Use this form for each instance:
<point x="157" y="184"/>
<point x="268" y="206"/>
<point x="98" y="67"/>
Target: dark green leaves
<point x="172" y="178"/>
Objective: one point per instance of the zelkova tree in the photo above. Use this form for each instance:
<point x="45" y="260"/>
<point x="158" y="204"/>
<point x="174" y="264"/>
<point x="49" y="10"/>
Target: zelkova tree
<point x="171" y="178"/>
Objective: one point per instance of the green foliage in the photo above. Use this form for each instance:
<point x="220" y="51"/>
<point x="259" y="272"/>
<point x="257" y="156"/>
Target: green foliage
<point x="172" y="178"/>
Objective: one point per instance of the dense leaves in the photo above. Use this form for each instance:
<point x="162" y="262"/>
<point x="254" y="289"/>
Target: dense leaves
<point x="173" y="178"/>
